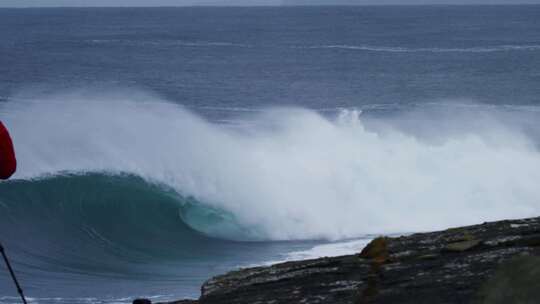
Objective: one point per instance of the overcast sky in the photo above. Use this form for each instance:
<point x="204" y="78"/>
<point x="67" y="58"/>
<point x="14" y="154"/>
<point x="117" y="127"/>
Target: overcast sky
<point x="37" y="3"/>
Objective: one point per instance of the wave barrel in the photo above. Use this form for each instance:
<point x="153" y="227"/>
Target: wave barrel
<point x="8" y="162"/>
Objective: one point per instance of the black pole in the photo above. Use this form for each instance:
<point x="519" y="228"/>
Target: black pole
<point x="19" y="289"/>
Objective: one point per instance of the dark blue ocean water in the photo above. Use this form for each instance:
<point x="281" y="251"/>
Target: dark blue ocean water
<point x="316" y="57"/>
<point x="150" y="160"/>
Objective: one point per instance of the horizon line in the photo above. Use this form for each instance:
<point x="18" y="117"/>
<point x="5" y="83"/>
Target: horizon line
<point x="269" y="5"/>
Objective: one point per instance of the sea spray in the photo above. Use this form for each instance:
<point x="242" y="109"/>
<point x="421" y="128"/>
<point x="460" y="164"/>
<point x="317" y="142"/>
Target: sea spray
<point x="293" y="175"/>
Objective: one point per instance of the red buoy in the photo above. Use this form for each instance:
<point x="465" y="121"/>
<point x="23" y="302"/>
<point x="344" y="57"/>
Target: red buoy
<point x="8" y="162"/>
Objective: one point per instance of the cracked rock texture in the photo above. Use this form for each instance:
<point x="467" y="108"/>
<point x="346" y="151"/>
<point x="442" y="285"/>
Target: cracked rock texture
<point x="496" y="262"/>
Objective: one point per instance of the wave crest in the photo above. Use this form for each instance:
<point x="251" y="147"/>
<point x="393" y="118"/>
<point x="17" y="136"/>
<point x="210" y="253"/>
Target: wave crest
<point x="295" y="174"/>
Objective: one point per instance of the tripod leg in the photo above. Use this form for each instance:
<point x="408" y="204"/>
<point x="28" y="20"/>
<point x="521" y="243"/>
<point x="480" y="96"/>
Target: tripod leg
<point x="19" y="289"/>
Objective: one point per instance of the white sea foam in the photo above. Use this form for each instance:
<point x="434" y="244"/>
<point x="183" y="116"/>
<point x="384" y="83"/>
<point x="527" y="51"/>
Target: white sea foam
<point x="298" y="175"/>
<point x="328" y="250"/>
<point x="319" y="251"/>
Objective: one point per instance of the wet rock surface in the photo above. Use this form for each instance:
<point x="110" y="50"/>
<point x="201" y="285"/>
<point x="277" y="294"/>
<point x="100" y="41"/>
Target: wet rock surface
<point x="497" y="262"/>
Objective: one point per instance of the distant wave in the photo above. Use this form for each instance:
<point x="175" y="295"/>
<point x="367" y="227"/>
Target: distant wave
<point x="227" y="109"/>
<point x="366" y="108"/>
<point x="168" y="43"/>
<point x="490" y="49"/>
<point x="367" y="48"/>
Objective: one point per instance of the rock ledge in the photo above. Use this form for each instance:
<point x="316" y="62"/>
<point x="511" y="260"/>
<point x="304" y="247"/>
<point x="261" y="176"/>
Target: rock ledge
<point x="497" y="262"/>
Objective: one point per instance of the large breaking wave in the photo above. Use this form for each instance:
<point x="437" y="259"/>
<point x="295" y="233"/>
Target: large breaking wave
<point x="292" y="174"/>
<point x="73" y="219"/>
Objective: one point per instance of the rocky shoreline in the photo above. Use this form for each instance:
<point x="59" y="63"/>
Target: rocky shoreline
<point x="496" y="262"/>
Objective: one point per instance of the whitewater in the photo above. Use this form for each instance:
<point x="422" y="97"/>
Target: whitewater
<point x="292" y="173"/>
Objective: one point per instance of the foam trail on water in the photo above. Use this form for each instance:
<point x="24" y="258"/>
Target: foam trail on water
<point x="485" y="49"/>
<point x="296" y="176"/>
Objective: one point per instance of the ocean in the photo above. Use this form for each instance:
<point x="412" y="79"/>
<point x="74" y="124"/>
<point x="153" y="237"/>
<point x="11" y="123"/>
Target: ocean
<point x="158" y="147"/>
